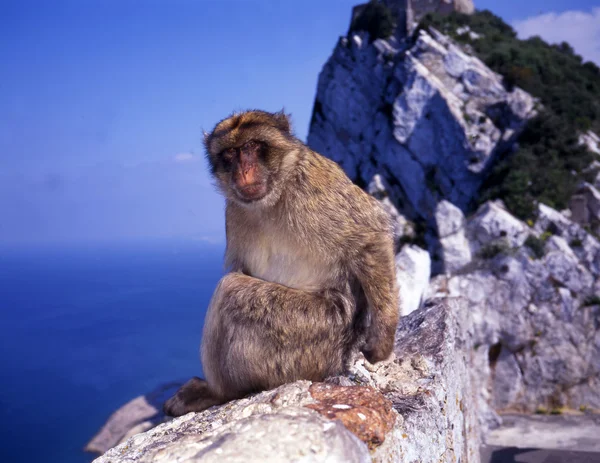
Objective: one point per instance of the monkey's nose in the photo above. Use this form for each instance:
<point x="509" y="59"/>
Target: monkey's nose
<point x="247" y="175"/>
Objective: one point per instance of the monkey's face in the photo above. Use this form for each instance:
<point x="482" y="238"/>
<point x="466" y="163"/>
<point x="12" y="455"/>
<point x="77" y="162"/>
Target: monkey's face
<point x="245" y="170"/>
<point x="250" y="155"/>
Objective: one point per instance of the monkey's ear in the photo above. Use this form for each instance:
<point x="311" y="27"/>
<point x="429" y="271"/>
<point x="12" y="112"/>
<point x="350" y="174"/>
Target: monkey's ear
<point x="205" y="137"/>
<point x="282" y="120"/>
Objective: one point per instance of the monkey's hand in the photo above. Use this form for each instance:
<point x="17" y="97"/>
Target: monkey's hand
<point x="379" y="344"/>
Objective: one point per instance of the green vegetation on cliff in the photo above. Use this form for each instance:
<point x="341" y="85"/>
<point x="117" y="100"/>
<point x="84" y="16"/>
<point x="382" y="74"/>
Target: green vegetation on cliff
<point x="549" y="162"/>
<point x="376" y="19"/>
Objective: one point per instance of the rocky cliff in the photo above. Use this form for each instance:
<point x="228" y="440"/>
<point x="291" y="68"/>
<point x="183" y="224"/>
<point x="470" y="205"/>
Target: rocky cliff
<point x="421" y="123"/>
<point x="424" y="115"/>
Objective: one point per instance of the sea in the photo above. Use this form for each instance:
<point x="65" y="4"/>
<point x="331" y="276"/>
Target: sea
<point x="86" y="328"/>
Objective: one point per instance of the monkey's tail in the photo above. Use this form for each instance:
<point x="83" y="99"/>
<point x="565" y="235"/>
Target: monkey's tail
<point x="193" y="396"/>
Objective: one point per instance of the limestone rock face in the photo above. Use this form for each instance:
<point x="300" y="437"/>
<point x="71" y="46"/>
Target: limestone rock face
<point x="535" y="315"/>
<point x="417" y="407"/>
<point x="426" y="117"/>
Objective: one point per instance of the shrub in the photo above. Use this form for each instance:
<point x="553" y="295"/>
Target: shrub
<point x="536" y="245"/>
<point x="541" y="169"/>
<point x="491" y="250"/>
<point x="591" y="300"/>
<point x="576" y="243"/>
<point x="376" y="19"/>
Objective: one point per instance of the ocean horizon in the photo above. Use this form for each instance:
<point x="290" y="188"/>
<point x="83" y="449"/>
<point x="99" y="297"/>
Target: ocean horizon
<point x="86" y="328"/>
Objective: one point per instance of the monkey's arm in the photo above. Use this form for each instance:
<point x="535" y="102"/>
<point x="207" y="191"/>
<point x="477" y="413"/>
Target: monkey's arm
<point x="279" y="310"/>
<point x="374" y="267"/>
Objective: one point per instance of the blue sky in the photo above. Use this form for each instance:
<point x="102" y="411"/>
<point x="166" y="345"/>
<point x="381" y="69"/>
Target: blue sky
<point x="102" y="103"/>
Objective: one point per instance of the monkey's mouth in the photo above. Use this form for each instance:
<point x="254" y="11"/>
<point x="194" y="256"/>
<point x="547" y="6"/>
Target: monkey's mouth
<point x="252" y="192"/>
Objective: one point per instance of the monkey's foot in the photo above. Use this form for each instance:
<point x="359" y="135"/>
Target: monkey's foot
<point x="193" y="396"/>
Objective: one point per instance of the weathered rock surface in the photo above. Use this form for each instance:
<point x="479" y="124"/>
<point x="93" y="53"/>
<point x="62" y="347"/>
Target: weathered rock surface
<point x="455" y="251"/>
<point x="413" y="270"/>
<point x="416" y="407"/>
<point x="591" y="141"/>
<point x="492" y="224"/>
<point x="536" y="317"/>
<point x="428" y="118"/>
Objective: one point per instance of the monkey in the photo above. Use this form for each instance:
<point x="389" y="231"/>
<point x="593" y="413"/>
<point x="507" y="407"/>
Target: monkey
<point x="311" y="271"/>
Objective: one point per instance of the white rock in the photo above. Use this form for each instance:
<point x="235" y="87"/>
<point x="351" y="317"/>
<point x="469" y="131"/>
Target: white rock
<point x="585" y="246"/>
<point x="413" y="270"/>
<point x="567" y="271"/>
<point x="591" y="141"/>
<point x="597" y="180"/>
<point x="558" y="243"/>
<point x="295" y="434"/>
<point x="449" y="219"/>
<point x="493" y="223"/>
<point x="455" y="251"/>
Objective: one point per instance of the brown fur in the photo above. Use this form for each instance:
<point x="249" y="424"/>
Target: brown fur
<point x="312" y="270"/>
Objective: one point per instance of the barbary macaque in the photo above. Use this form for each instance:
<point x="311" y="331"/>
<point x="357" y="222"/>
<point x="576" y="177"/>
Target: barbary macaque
<point x="311" y="267"/>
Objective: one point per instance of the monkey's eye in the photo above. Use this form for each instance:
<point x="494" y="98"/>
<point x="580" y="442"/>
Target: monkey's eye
<point x="251" y="146"/>
<point x="228" y="154"/>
